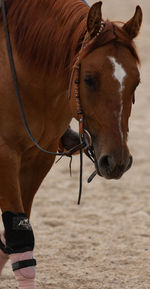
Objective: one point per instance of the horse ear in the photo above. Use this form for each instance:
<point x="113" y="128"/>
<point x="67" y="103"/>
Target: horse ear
<point x="132" y="27"/>
<point x="94" y="19"/>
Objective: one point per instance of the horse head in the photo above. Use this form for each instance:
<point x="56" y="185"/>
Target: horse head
<point x="109" y="76"/>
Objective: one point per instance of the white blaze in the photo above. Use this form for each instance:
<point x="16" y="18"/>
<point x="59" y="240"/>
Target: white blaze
<point x="119" y="74"/>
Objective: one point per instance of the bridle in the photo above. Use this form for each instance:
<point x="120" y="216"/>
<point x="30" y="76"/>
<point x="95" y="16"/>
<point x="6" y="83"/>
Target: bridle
<point x="85" y="137"/>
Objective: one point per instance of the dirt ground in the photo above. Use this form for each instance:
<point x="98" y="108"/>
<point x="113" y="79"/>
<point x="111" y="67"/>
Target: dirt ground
<point x="105" y="242"/>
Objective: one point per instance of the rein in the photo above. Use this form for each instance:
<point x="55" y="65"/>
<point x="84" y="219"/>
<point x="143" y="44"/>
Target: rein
<point x="15" y="81"/>
<point x="85" y="137"/>
<point x="83" y="140"/>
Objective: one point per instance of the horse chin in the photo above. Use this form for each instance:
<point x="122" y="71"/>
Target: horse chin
<point x="114" y="176"/>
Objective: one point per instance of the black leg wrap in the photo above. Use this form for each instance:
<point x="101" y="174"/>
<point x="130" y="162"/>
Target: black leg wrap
<point x="18" y="233"/>
<point x="23" y="264"/>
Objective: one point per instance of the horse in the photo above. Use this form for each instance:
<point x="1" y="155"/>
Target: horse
<point x="67" y="59"/>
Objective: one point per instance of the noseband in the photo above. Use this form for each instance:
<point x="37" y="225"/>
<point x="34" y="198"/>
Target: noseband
<point x="85" y="137"/>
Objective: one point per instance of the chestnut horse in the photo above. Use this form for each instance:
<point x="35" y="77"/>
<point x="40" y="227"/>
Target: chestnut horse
<point x="47" y="38"/>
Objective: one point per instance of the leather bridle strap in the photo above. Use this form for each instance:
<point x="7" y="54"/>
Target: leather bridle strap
<point x="85" y="136"/>
<point x="77" y="68"/>
<point x="83" y="141"/>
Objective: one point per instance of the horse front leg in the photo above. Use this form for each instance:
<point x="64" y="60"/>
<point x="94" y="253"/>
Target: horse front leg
<point x="17" y="242"/>
<point x="32" y="172"/>
<point x="9" y="191"/>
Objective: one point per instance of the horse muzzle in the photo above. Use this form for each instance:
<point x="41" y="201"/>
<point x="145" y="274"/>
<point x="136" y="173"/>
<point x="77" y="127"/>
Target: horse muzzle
<point x="110" y="168"/>
<point x="108" y="165"/>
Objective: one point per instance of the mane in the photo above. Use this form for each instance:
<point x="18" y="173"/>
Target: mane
<point x="47" y="33"/>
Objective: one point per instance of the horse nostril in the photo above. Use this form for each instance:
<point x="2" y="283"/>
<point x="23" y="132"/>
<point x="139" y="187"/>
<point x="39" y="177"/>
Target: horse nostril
<point x="107" y="163"/>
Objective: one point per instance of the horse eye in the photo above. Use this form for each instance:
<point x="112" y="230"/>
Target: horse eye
<point x="90" y="81"/>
